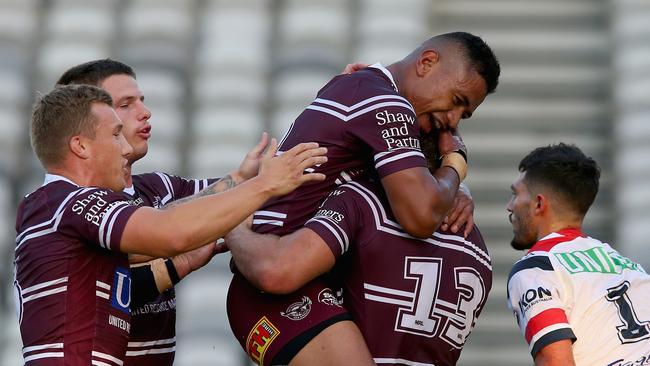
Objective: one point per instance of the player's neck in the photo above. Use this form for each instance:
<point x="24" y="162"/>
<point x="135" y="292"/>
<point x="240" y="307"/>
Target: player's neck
<point x="127" y="176"/>
<point x="554" y="226"/>
<point x="397" y="73"/>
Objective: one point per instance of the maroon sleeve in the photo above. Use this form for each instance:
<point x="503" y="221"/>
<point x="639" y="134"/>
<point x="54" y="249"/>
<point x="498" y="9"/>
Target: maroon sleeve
<point x="97" y="216"/>
<point x="337" y="220"/>
<point x="183" y="187"/>
<point x="390" y="129"/>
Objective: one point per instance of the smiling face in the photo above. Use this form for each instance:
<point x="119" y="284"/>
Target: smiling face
<point x="128" y="102"/>
<point x="521" y="208"/>
<point x="108" y="149"/>
<point x="445" y="90"/>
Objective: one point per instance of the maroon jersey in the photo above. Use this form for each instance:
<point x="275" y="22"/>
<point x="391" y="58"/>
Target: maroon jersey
<point x="72" y="284"/>
<point x="415" y="300"/>
<point x="364" y="123"/>
<point x="153" y="325"/>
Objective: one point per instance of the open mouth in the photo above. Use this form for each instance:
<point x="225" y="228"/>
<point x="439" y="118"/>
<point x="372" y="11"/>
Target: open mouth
<point x="145" y="132"/>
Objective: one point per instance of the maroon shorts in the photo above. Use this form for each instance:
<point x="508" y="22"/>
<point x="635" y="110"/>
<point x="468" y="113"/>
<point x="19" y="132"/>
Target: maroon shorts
<point x="272" y="329"/>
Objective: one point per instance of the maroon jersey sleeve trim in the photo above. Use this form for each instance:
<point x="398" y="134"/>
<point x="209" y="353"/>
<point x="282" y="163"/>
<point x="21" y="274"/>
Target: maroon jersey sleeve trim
<point x="49" y="225"/>
<point x="338" y="234"/>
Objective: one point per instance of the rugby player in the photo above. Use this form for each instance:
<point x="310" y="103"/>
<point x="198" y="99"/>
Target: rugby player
<point x="370" y="121"/>
<point x="576" y="300"/>
<point x="153" y="309"/>
<point x="415" y="301"/>
<point x="72" y="280"/>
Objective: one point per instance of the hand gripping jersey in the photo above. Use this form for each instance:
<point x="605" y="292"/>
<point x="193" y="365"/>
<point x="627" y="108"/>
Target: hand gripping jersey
<point x="153" y="325"/>
<point x="570" y="286"/>
<point x="72" y="285"/>
<point x="415" y="300"/>
<point x="364" y="123"/>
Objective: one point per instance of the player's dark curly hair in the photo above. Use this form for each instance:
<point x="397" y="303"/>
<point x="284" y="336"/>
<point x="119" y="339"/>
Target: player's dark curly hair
<point x="566" y="170"/>
<point x="94" y="72"/>
<point x="480" y="56"/>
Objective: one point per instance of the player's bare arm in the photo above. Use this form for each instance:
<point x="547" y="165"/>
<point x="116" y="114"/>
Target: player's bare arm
<point x="558" y="353"/>
<point x="279" y="265"/>
<point x="247" y="169"/>
<point x="421" y="200"/>
<point x="190" y="225"/>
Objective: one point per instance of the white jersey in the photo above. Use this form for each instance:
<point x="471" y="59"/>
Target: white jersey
<point x="570" y="286"/>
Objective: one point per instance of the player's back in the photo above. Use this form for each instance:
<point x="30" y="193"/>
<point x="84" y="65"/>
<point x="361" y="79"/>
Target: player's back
<point x="72" y="296"/>
<point x="365" y="125"/>
<point x="413" y="299"/>
<point x="609" y="300"/>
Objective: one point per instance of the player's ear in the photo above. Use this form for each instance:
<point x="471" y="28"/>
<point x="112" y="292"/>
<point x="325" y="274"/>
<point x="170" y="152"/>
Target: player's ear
<point x="541" y="204"/>
<point x="79" y="146"/>
<point x="427" y="60"/>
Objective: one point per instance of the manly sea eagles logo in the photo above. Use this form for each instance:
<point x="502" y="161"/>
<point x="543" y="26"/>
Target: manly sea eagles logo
<point x="327" y="297"/>
<point x="298" y="310"/>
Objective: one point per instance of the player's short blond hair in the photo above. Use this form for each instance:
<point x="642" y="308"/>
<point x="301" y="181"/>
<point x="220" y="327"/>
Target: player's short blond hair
<point x="61" y="114"/>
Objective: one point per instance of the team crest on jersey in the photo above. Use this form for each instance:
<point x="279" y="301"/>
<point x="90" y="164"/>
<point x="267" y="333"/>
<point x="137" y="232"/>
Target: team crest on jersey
<point x="121" y="290"/>
<point x="260" y="338"/>
<point x="298" y="310"/>
<point x="327" y="297"/>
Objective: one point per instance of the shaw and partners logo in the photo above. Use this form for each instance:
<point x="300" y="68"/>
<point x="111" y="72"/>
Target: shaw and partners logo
<point x="260" y="338"/>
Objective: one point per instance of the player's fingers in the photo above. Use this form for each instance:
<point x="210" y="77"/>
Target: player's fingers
<point x="299" y="149"/>
<point x="312" y="177"/>
<point x="469" y="226"/>
<point x="463" y="218"/>
<point x="259" y="148"/>
<point x="452" y="216"/>
<point x="273" y="148"/>
<point x="308" y="153"/>
<point x="313" y="161"/>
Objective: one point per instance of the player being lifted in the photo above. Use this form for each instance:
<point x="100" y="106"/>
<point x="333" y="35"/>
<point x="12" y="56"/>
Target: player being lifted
<point x="370" y="121"/>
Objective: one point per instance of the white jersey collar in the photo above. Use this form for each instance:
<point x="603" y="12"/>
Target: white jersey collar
<point x="381" y="68"/>
<point x="49" y="178"/>
<point x="129" y="190"/>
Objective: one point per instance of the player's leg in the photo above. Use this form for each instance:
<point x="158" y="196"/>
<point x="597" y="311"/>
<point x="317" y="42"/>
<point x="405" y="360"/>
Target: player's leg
<point x="272" y="329"/>
<point x="339" y="344"/>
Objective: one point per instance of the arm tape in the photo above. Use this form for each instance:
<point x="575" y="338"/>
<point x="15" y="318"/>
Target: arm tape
<point x="143" y="286"/>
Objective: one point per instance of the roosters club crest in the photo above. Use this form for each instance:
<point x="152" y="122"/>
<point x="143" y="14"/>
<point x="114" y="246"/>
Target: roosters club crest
<point x="298" y="310"/>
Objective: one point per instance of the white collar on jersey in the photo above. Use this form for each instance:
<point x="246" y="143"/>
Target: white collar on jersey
<point x="129" y="190"/>
<point x="381" y="68"/>
<point x="49" y="178"/>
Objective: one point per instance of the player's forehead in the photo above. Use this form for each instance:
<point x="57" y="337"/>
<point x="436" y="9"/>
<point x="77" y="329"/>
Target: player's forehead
<point x="121" y="86"/>
<point x="519" y="184"/>
<point x="106" y="118"/>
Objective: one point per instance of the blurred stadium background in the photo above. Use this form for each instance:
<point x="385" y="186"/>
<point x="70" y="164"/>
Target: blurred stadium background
<point x="216" y="73"/>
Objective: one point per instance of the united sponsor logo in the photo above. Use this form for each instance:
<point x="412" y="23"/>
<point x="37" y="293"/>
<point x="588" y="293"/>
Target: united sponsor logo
<point x="121" y="290"/>
<point x="326" y="296"/>
<point x="260" y="338"/>
<point x="298" y="310"/>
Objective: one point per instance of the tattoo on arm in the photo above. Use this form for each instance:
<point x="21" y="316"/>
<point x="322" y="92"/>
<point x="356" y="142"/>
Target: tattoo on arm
<point x="219" y="186"/>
